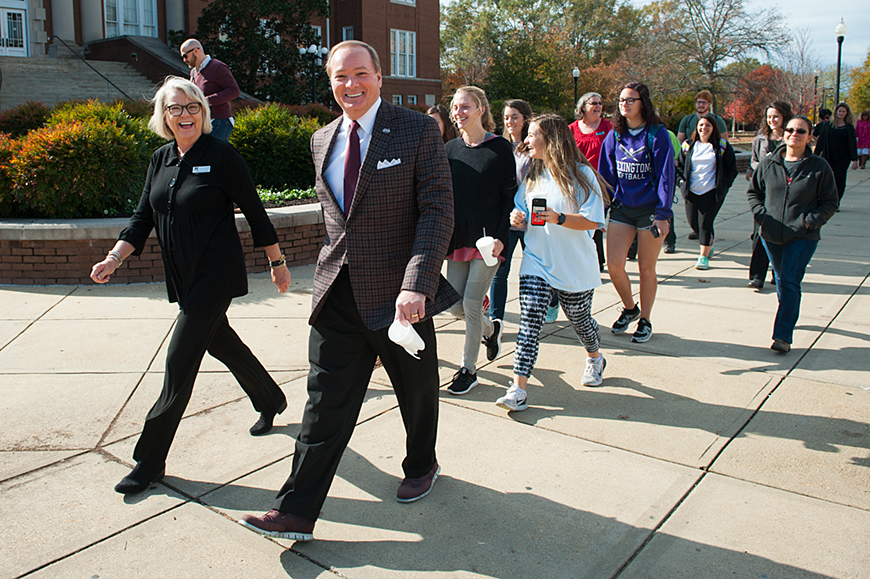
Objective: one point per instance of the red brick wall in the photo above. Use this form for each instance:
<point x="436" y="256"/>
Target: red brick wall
<point x="65" y="261"/>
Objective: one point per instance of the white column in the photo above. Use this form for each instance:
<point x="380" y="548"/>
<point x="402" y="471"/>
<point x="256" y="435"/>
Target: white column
<point x="92" y="20"/>
<point x="175" y="15"/>
<point x="63" y="20"/>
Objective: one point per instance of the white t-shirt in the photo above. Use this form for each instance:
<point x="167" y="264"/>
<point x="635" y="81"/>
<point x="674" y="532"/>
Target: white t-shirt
<point x="565" y="258"/>
<point x="703" y="177"/>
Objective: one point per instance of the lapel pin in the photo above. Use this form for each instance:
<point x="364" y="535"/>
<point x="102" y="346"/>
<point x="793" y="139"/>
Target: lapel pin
<point x="386" y="130"/>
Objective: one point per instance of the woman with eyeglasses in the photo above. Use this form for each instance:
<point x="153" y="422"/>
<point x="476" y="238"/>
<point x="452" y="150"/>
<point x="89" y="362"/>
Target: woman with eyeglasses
<point x="769" y="137"/>
<point x="589" y="131"/>
<point x="792" y="194"/>
<point x="838" y="145"/>
<point x="637" y="161"/>
<point x="190" y="188"/>
<point x="484" y="183"/>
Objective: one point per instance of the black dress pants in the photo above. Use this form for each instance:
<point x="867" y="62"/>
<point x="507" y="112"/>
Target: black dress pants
<point x="199" y="329"/>
<point x="840" y="167"/>
<point x="342" y="353"/>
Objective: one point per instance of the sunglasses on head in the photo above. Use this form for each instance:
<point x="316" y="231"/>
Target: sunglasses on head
<point x="796" y="130"/>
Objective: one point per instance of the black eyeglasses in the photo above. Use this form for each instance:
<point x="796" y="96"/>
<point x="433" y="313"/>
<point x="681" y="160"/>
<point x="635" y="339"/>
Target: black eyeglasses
<point x="629" y="101"/>
<point x="794" y="130"/>
<point x="177" y="110"/>
<point x="184" y="54"/>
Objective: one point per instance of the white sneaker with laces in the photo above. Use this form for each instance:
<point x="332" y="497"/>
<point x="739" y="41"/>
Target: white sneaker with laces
<point x="514" y="399"/>
<point x="594" y="370"/>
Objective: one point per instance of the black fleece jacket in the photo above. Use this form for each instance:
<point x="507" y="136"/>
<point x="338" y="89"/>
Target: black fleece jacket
<point x="791" y="209"/>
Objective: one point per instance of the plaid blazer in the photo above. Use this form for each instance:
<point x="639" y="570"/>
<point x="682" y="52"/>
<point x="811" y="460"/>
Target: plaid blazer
<point x="396" y="234"/>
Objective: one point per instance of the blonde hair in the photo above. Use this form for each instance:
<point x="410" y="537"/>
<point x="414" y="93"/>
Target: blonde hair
<point x="172" y="85"/>
<point x="562" y="158"/>
<point x="479" y="97"/>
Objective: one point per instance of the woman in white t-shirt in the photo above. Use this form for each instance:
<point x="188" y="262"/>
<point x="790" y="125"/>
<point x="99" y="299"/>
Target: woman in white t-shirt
<point x="560" y="253"/>
<point x="706" y="168"/>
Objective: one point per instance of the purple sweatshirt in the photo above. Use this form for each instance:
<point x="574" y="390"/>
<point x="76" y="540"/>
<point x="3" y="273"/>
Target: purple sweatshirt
<point x="625" y="165"/>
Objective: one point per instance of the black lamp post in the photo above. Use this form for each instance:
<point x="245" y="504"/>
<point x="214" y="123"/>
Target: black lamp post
<point x="840" y="31"/>
<point x="314" y="54"/>
<point x="576" y="74"/>
<point x="816" y="94"/>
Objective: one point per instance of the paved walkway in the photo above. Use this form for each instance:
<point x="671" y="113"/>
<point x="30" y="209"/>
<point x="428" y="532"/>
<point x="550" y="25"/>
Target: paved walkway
<point x="704" y="453"/>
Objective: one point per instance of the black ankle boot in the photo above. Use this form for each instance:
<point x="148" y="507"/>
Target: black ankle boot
<point x="139" y="479"/>
<point x="264" y="424"/>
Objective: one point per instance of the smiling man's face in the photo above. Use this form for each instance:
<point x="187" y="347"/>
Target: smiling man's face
<point x="355" y="83"/>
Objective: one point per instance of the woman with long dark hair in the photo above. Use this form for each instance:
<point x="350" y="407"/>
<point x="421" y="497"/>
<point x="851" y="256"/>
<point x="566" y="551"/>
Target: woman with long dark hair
<point x="769" y="137"/>
<point x="792" y="195"/>
<point x="838" y="145"/>
<point x="706" y="168"/>
<point x="637" y="161"/>
<point x="560" y="254"/>
<point x="442" y="117"/>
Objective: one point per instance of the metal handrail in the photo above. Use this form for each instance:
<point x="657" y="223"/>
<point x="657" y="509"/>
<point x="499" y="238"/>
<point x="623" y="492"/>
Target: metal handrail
<point x="55" y="37"/>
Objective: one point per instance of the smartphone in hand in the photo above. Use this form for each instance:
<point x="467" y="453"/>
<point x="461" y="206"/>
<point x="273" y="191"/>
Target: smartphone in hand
<point x="538" y="205"/>
<point x="655" y="231"/>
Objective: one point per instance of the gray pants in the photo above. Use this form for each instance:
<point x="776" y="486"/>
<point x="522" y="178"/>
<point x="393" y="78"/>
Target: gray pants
<point x="472" y="280"/>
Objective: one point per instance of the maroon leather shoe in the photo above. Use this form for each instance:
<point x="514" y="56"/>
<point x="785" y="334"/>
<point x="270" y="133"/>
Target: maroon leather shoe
<point x="414" y="489"/>
<point x="280" y="525"/>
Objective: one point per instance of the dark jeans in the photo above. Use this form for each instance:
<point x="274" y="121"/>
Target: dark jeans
<point x="342" y="353"/>
<point x="498" y="288"/>
<point x="789" y="262"/>
<point x="221" y="128"/>
<point x="197" y="330"/>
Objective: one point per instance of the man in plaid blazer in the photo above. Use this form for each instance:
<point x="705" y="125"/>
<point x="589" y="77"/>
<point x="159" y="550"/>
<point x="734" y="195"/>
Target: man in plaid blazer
<point x="386" y="238"/>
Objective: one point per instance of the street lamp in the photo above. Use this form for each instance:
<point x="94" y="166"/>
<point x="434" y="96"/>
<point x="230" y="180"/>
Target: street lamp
<point x="840" y="31"/>
<point x="817" y="72"/>
<point x="576" y="74"/>
<point x="313" y="53"/>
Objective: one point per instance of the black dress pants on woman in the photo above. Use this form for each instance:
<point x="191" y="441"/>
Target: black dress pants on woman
<point x="199" y="329"/>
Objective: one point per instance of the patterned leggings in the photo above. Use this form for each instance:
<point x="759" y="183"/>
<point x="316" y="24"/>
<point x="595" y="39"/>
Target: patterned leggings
<point x="534" y="298"/>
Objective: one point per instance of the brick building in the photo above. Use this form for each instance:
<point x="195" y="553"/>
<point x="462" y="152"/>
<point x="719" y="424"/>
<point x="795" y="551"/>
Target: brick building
<point x="404" y="32"/>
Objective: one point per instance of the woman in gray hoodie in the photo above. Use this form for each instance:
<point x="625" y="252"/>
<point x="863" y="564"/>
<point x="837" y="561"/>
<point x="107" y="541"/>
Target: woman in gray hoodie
<point x="792" y="195"/>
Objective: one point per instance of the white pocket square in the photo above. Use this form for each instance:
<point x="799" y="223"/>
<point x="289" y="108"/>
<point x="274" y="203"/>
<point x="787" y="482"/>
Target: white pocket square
<point x="384" y="164"/>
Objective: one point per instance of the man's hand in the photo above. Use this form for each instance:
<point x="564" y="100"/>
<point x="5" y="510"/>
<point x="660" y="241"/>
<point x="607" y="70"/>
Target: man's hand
<point x="410" y="307"/>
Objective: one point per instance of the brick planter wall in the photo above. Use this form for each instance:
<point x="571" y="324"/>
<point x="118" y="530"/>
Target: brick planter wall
<point x="61" y="252"/>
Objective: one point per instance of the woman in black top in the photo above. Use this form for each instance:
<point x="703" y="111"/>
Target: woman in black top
<point x="838" y="144"/>
<point x="189" y="192"/>
<point x="484" y="183"/>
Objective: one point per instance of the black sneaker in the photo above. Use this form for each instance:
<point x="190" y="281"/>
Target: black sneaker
<point x="463" y="382"/>
<point x="643" y="332"/>
<point x="493" y="342"/>
<point x="625" y="318"/>
<point x="693" y="235"/>
<point x="670" y="249"/>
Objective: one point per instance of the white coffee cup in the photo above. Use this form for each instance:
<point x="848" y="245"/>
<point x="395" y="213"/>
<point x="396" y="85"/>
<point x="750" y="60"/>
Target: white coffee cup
<point x="407" y="337"/>
<point x="485" y="246"/>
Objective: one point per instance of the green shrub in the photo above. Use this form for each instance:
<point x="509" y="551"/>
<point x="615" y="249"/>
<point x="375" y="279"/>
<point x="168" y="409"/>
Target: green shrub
<point x="20" y="120"/>
<point x="275" y="145"/>
<point x="317" y="111"/>
<point x="77" y="169"/>
<point x="279" y="195"/>
<point x="95" y="112"/>
<point x="138" y="109"/>
<point x="8" y="148"/>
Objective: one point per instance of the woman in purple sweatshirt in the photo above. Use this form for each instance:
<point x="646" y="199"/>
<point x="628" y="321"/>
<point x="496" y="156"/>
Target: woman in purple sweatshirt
<point x="637" y="161"/>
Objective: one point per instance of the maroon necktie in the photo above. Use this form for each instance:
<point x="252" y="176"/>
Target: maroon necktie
<point x="351" y="166"/>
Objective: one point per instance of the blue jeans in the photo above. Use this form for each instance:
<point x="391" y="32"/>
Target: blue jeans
<point x="498" y="290"/>
<point x="789" y="261"/>
<point x="221" y="128"/>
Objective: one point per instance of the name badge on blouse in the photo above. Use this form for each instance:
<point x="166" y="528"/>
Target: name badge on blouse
<point x="202" y="169"/>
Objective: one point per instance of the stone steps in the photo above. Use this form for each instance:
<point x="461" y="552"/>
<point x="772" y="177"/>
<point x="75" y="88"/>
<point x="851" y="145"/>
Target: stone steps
<point x="53" y="80"/>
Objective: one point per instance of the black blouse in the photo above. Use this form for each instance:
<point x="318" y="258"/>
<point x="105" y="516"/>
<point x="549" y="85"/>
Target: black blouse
<point x="189" y="200"/>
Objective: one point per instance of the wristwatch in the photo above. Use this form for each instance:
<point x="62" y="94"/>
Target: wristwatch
<point x="561" y="219"/>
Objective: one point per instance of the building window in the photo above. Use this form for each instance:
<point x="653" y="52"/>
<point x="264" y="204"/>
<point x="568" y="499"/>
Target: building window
<point x="397" y="100"/>
<point x="403" y="53"/>
<point x="412" y="99"/>
<point x="347" y="33"/>
<point x="408" y="2"/>
<point x="134" y="17"/>
<point x="317" y="34"/>
<point x="430" y="100"/>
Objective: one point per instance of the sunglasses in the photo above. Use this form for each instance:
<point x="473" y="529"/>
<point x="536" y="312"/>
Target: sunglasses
<point x="184" y="54"/>
<point x="794" y="130"/>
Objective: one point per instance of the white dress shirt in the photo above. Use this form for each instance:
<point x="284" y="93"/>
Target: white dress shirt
<point x="334" y="173"/>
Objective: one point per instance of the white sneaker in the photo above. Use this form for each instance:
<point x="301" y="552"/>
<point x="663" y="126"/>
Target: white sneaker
<point x="594" y="368"/>
<point x="515" y="399"/>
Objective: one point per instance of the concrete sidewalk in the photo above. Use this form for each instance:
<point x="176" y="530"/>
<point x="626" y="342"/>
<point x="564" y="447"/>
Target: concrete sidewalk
<point x="704" y="453"/>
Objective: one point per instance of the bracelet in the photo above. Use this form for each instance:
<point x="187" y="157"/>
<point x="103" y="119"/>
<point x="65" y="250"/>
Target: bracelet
<point x="116" y="256"/>
<point x="281" y="261"/>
